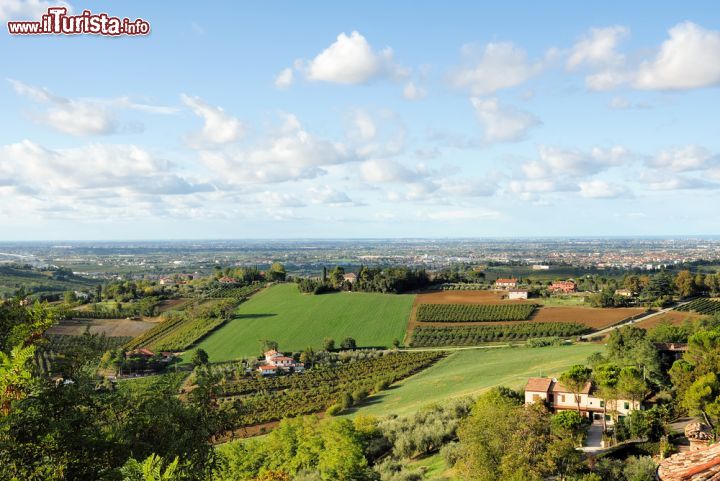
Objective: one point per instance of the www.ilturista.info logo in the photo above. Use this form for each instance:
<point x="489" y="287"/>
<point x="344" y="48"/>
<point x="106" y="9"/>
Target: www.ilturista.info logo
<point x="57" y="22"/>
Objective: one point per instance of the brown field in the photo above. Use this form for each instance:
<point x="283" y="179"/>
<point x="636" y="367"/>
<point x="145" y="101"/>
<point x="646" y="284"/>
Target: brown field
<point x="593" y="317"/>
<point x="466" y="297"/>
<point x="111" y="327"/>
<point x="674" y="317"/>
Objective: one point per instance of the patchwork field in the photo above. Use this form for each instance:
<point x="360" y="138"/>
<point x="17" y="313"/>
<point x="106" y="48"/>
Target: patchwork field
<point x="594" y="318"/>
<point x="296" y="321"/>
<point x="472" y="371"/>
<point x="111" y="327"/>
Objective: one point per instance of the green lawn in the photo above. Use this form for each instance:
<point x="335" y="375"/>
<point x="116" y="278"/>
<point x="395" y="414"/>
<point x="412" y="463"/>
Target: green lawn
<point x="281" y="313"/>
<point x="470" y="372"/>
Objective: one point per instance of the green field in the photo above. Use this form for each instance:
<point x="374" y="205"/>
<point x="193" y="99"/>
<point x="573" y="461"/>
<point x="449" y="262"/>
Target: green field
<point x="471" y="371"/>
<point x="281" y="313"/>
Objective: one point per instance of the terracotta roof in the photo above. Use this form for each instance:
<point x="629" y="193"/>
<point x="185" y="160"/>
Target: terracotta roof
<point x="505" y="281"/>
<point x="283" y="358"/>
<point x="267" y="368"/>
<point x="271" y="352"/>
<point x="538" y="384"/>
<point x="703" y="465"/>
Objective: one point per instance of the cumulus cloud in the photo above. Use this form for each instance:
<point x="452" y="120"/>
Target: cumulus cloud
<point x="328" y="195"/>
<point x="93" y="170"/>
<point x="684" y="159"/>
<point x="502" y="123"/>
<point x="83" y="116"/>
<point x="284" y="79"/>
<point x="658" y="180"/>
<point x="27" y="9"/>
<point x="387" y="171"/>
<point x="600" y="189"/>
<point x="352" y="60"/>
<point x="690" y="58"/>
<point x="290" y="153"/>
<point x="70" y="116"/>
<point x="218" y="127"/>
<point x="598" y="48"/>
<point x="497" y="66"/>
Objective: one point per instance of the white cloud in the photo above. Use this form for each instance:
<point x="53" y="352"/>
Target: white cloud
<point x="27" y="9"/>
<point x="284" y="79"/>
<point x="685" y="159"/>
<point x="352" y="60"/>
<point x="502" y="123"/>
<point x="98" y="170"/>
<point x="497" y="66"/>
<point x="413" y="91"/>
<point x="690" y="58"/>
<point x="556" y="161"/>
<point x="364" y="125"/>
<point x="600" y="189"/>
<point x="598" y="48"/>
<point x="70" y="116"/>
<point x="657" y="180"/>
<point x="387" y="171"/>
<point x="291" y="153"/>
<point x="328" y="195"/>
<point x="218" y="127"/>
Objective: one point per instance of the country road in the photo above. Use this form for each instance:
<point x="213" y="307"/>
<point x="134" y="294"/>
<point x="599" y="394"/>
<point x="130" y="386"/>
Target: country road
<point x="605" y="331"/>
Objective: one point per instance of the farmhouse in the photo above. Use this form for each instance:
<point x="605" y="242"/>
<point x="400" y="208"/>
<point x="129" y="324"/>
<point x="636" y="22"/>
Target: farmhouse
<point x="518" y="294"/>
<point x="227" y="280"/>
<point x="624" y="292"/>
<point x="275" y="361"/>
<point x="510" y="283"/>
<point x="565" y="287"/>
<point x="350" y="277"/>
<point x="560" y="398"/>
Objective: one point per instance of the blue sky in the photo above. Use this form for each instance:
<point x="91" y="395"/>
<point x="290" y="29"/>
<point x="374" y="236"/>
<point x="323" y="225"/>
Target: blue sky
<point x="375" y="119"/>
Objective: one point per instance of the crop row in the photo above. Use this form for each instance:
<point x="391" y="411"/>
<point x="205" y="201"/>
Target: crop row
<point x="232" y="292"/>
<point x="474" y="312"/>
<point x="155" y="332"/>
<point x="701" y="306"/>
<point x="187" y="334"/>
<point x="471" y="335"/>
<point x="259" y="400"/>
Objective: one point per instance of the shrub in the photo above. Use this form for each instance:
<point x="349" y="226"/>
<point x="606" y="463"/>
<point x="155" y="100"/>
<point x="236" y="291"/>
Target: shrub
<point x="334" y="410"/>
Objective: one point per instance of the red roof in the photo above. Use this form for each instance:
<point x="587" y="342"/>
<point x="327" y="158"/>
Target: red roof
<point x="506" y="281"/>
<point x="538" y="384"/>
<point x="558" y="387"/>
<point x="271" y="352"/>
<point x="141" y="352"/>
<point x="702" y="465"/>
<point x="283" y="358"/>
<point x="267" y="368"/>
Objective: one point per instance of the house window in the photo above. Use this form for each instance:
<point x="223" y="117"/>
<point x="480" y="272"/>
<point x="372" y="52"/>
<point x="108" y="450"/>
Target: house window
<point x="562" y="398"/>
<point x="627" y="406"/>
<point x="535" y="397"/>
<point x="607" y="417"/>
<point x="602" y="404"/>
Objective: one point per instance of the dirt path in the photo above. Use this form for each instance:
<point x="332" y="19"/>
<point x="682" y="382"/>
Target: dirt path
<point x="608" y="330"/>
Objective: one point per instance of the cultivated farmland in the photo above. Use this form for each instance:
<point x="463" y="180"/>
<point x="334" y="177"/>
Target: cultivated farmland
<point x="701" y="306"/>
<point x="473" y="312"/>
<point x="441" y="336"/>
<point x="296" y="321"/>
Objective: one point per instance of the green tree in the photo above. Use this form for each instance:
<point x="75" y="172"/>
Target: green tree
<point x="199" y="358"/>
<point x="151" y="469"/>
<point x="276" y="272"/>
<point x="328" y="344"/>
<point x="575" y="379"/>
<point x="685" y="284"/>
<point x="348" y="343"/>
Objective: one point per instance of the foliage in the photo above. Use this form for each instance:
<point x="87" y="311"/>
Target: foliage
<point x="474" y="312"/>
<point x="471" y="335"/>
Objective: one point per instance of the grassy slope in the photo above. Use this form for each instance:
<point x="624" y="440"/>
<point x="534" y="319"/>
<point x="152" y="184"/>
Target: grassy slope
<point x="470" y="372"/>
<point x="297" y="320"/>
